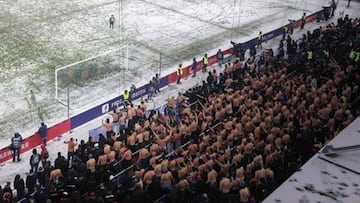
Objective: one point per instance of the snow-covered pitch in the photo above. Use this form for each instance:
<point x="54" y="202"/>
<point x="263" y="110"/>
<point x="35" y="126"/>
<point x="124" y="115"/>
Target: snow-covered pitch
<point x="39" y="36"/>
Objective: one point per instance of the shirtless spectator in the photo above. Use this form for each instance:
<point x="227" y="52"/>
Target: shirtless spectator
<point x="71" y="148"/>
<point x="90" y="164"/>
<point x="109" y="127"/>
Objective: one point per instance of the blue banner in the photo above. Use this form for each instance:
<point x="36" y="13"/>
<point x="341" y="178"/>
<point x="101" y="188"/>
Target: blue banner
<point x="164" y="81"/>
<point x="95" y="112"/>
<point x="139" y="92"/>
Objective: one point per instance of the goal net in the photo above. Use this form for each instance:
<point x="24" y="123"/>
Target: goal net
<point x="103" y="76"/>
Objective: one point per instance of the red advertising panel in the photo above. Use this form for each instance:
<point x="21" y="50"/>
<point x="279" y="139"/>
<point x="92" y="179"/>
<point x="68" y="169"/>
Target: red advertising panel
<point x="34" y="140"/>
<point x="186" y="71"/>
<point x="172" y="77"/>
<point x="59" y="129"/>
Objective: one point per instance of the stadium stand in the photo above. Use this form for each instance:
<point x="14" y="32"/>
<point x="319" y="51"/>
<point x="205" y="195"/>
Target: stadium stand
<point x="234" y="138"/>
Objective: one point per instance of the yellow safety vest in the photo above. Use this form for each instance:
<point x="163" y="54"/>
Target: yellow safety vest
<point x="326" y="53"/>
<point x="285" y="28"/>
<point x="357" y="58"/>
<point x="352" y="54"/>
<point x="179" y="71"/>
<point x="126" y="96"/>
<point x="205" y="60"/>
<point x="309" y="54"/>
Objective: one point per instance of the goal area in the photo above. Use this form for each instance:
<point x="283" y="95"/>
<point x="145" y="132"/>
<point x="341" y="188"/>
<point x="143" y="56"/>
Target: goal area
<point x="107" y="74"/>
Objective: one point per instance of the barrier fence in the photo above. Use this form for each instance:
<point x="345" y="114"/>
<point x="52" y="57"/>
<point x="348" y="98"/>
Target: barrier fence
<point x="88" y="115"/>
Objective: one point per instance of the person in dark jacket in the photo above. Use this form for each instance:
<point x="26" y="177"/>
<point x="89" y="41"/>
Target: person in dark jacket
<point x="1" y="193"/>
<point x="30" y="182"/>
<point x="220" y="57"/>
<point x="157" y="83"/>
<point x="19" y="186"/>
<point x="16" y="146"/>
<point x="194" y="67"/>
<point x="40" y="194"/>
<point x="61" y="163"/>
<point x="34" y="161"/>
<point x="43" y="132"/>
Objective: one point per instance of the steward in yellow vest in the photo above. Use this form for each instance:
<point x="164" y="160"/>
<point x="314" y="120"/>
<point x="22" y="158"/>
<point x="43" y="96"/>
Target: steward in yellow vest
<point x="179" y="73"/>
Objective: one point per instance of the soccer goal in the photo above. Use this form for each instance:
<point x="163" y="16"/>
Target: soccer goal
<point x="104" y="76"/>
<point x="89" y="74"/>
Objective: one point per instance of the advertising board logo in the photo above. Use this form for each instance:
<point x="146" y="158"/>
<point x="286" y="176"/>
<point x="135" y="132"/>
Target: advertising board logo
<point x="105" y="108"/>
<point x="138" y="93"/>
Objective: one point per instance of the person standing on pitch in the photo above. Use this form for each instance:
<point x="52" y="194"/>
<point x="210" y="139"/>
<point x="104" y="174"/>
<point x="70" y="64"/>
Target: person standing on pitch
<point x="16" y="146"/>
<point x="112" y="21"/>
<point x="43" y="132"/>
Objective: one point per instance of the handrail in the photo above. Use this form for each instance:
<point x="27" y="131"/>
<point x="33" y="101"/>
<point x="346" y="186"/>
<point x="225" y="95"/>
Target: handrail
<point x="122" y="172"/>
<point x="160" y="198"/>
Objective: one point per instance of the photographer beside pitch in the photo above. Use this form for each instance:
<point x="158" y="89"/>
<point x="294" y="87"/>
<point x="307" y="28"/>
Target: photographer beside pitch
<point x="15" y="146"/>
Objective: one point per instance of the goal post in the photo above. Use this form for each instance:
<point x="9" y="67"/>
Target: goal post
<point x="81" y="72"/>
<point x="105" y="76"/>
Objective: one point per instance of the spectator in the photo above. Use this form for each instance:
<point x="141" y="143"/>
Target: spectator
<point x="43" y="131"/>
<point x="108" y="126"/>
<point x="132" y="88"/>
<point x="252" y="51"/>
<point x="34" y="161"/>
<point x="7" y="193"/>
<point x="19" y="186"/>
<point x="291" y="26"/>
<point x="44" y="154"/>
<point x="220" y="57"/>
<point x="71" y="148"/>
<point x="30" y="181"/>
<point x="16" y="146"/>
<point x="7" y="198"/>
<point x="61" y="163"/>
<point x="115" y="118"/>
<point x="157" y="83"/>
<point x="1" y="194"/>
<point x="150" y="90"/>
<point x="194" y="67"/>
